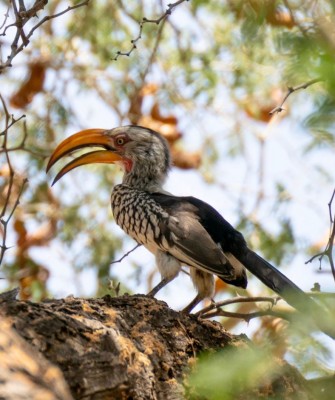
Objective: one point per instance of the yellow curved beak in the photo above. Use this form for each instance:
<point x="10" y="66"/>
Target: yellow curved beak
<point x="82" y="139"/>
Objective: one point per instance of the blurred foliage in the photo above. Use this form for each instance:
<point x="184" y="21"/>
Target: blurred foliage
<point x="207" y="77"/>
<point x="252" y="373"/>
<point x="278" y="246"/>
<point x="248" y="375"/>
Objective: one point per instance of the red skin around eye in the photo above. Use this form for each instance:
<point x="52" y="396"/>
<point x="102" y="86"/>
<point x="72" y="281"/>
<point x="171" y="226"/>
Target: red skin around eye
<point x="127" y="163"/>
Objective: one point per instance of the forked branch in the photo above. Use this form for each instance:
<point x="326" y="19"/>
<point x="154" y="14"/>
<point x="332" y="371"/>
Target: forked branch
<point x="215" y="309"/>
<point x="291" y="90"/>
<point x="328" y="252"/>
<point x="157" y="21"/>
<point x="4" y="221"/>
<point x="126" y="254"/>
<point x="22" y="17"/>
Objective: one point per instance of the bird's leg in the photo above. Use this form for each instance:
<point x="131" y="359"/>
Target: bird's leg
<point x="168" y="266"/>
<point x="193" y="304"/>
<point x="158" y="287"/>
<point x="204" y="283"/>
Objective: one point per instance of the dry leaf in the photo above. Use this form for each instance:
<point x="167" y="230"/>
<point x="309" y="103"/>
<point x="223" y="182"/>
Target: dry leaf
<point x="185" y="160"/>
<point x="149" y="89"/>
<point x="274" y="15"/>
<point x="32" y="86"/>
<point x="156" y="114"/>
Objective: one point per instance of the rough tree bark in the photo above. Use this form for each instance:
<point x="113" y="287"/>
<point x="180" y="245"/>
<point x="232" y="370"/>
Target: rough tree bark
<point x="128" y="347"/>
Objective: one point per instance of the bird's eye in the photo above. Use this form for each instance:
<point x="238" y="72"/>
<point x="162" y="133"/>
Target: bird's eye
<point x="120" y="141"/>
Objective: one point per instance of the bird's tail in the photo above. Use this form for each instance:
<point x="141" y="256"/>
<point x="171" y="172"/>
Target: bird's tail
<point x="286" y="289"/>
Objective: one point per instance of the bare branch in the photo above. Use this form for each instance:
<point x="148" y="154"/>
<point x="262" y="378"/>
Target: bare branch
<point x="245" y="316"/>
<point x="6" y="15"/>
<point x="4" y="222"/>
<point x="49" y="17"/>
<point x="22" y="145"/>
<point x="9" y="121"/>
<point x="22" y="16"/>
<point x="235" y="300"/>
<point x="157" y="21"/>
<point x="4" y="146"/>
<point x="13" y="121"/>
<point x="291" y="90"/>
<point x="126" y="254"/>
<point x="328" y="252"/>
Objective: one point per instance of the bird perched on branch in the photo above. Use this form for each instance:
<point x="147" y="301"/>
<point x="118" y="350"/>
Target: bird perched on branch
<point x="177" y="230"/>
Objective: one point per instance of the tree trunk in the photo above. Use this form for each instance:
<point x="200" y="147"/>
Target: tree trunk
<point x="129" y="347"/>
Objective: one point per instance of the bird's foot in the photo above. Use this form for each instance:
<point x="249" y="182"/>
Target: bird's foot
<point x="211" y="306"/>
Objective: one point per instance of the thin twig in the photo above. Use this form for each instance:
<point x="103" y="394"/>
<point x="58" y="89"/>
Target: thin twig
<point x="126" y="254"/>
<point x="328" y="252"/>
<point x="22" y="145"/>
<point x="144" y="21"/>
<point x="9" y="121"/>
<point x="245" y="316"/>
<point x="4" y="222"/>
<point x="234" y="300"/>
<point x="49" y="17"/>
<point x="6" y="15"/>
<point x="22" y="16"/>
<point x="4" y="146"/>
<point x="13" y="121"/>
<point x="291" y="90"/>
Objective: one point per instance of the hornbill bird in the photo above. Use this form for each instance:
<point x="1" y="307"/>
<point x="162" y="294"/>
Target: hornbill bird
<point x="177" y="230"/>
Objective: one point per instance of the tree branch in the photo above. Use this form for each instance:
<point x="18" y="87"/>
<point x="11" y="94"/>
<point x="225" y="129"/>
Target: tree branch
<point x="6" y="16"/>
<point x="22" y="16"/>
<point x="247" y="317"/>
<point x="235" y="300"/>
<point x="291" y="90"/>
<point x="330" y="245"/>
<point x="9" y="121"/>
<point x="157" y="21"/>
<point x="126" y="254"/>
<point x="215" y="310"/>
